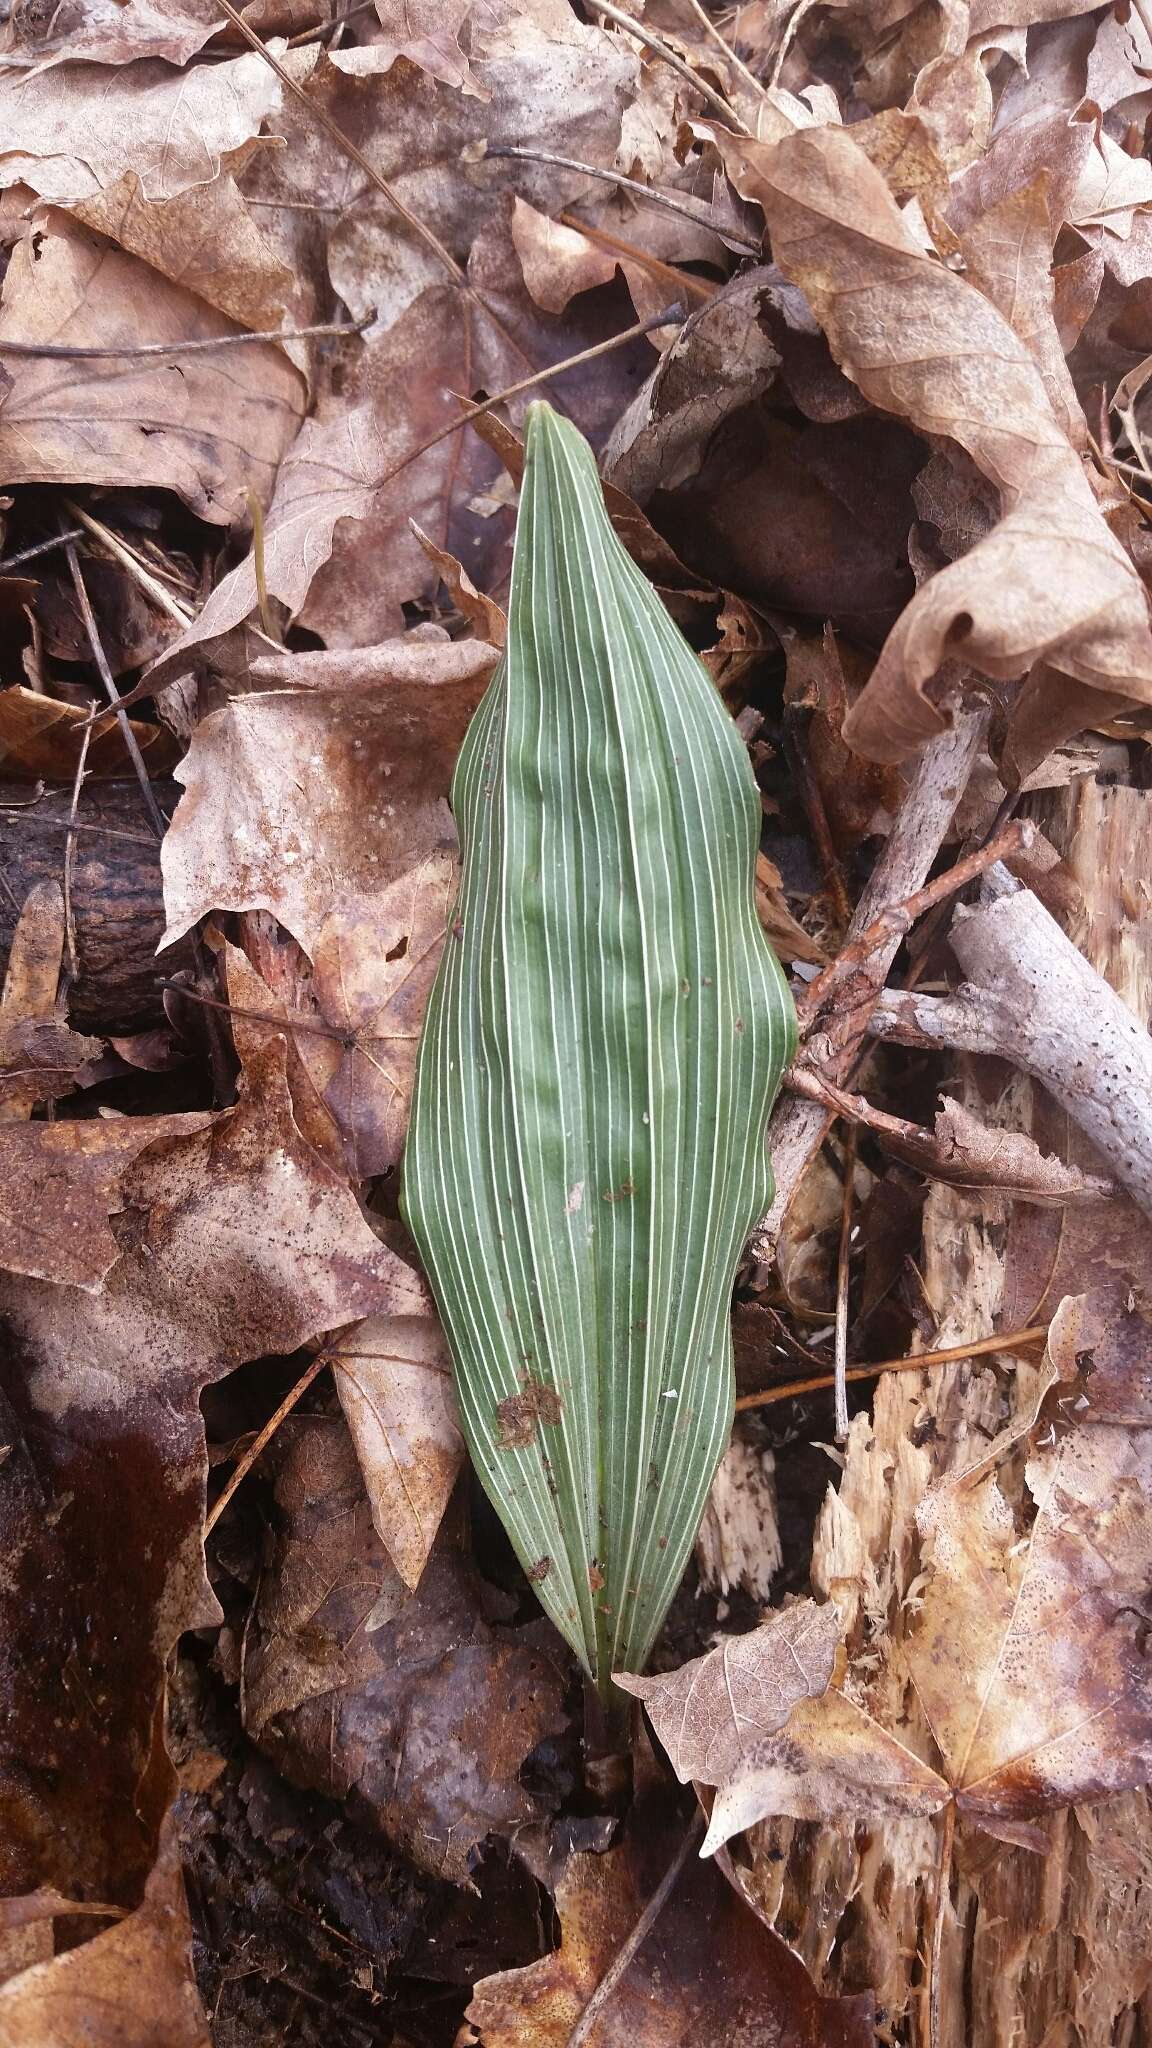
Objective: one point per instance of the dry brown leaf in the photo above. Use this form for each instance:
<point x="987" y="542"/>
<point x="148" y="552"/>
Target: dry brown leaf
<point x="1026" y="1656"/>
<point x="59" y="1185"/>
<point x="1050" y="581"/>
<point x="107" y="32"/>
<point x="413" y="1702"/>
<point x="788" y="937"/>
<point x="41" y="1058"/>
<point x="709" y="1973"/>
<point x="394" y="1378"/>
<point x="429" y="39"/>
<point x="487" y="619"/>
<point x="74" y="129"/>
<point x="710" y="1710"/>
<point x="235" y="1242"/>
<point x="968" y="1153"/>
<point x="557" y="261"/>
<point x="309" y="801"/>
<point x="41" y="738"/>
<point x="204" y="240"/>
<point x="721" y="361"/>
<point x="130" y="1987"/>
<point x="210" y="427"/>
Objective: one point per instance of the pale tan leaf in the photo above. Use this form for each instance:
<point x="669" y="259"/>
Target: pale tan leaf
<point x="210" y="427"/>
<point x="709" y="1712"/>
<point x="394" y="1378"/>
<point x="204" y="240"/>
<point x="557" y="261"/>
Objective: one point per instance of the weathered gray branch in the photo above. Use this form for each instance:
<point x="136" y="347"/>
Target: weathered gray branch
<point x="938" y="783"/>
<point x="1031" y="997"/>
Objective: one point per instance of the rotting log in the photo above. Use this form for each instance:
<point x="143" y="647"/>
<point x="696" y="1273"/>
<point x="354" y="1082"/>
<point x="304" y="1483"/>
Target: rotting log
<point x="1039" y="1951"/>
<point x="116" y="890"/>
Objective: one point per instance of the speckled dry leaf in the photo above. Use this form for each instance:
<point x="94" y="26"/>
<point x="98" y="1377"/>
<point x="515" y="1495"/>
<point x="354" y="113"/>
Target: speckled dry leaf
<point x="709" y="1974"/>
<point x="311" y="801"/>
<point x="971" y="1154"/>
<point x="59" y="1185"/>
<point x="710" y="1710"/>
<point x="1049" y="581"/>
<point x="412" y="1704"/>
<point x="210" y="427"/>
<point x="235" y="1242"/>
<point x="394" y="1378"/>
<point x="74" y="129"/>
<point x="130" y="1987"/>
<point x="1030" y="1656"/>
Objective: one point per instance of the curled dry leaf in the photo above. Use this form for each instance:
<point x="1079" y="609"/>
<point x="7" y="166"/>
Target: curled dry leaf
<point x="204" y="240"/>
<point x="41" y="738"/>
<point x="235" y="1242"/>
<point x="708" y="1974"/>
<point x="106" y="32"/>
<point x="130" y="1987"/>
<point x="968" y="1153"/>
<point x="394" y="1378"/>
<point x="1049" y="582"/>
<point x="413" y="1704"/>
<point x="210" y="427"/>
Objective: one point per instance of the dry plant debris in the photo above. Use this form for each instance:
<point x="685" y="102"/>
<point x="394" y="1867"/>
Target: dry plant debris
<point x="854" y="303"/>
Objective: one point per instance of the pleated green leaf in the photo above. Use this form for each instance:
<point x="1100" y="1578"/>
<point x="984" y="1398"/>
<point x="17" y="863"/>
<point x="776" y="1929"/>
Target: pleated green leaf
<point x="587" y="1148"/>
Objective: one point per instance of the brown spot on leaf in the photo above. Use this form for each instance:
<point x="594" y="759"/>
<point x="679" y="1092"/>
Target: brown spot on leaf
<point x="539" y="1570"/>
<point x="595" y="1577"/>
<point x="519" y="1414"/>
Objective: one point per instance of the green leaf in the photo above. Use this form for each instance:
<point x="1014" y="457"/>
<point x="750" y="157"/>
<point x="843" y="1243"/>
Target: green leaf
<point x="587" y="1153"/>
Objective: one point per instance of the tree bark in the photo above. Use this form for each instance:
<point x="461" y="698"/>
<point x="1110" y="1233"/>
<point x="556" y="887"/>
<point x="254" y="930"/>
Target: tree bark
<point x="116" y="890"/>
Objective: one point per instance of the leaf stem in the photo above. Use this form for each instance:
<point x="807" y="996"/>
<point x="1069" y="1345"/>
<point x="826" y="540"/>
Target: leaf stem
<point x="949" y="1354"/>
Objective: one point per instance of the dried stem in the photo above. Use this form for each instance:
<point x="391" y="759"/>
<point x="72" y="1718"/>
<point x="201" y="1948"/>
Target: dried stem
<point x="265" y="1436"/>
<point x="109" y="681"/>
<point x="949" y="1354"/>
<point x="843" y="1277"/>
<point x="695" y="211"/>
<point x="134" y="350"/>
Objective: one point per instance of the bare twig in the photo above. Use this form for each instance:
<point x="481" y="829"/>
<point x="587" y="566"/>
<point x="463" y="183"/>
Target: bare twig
<point x="810" y="795"/>
<point x="41" y="547"/>
<point x="1032" y="998"/>
<point x="693" y="1835"/>
<point x="64" y="350"/>
<point x="660" y="49"/>
<point x="265" y="1436"/>
<point x="706" y="21"/>
<point x="921" y="824"/>
<point x="70" y="848"/>
<point x="697" y="211"/>
<point x="109" y="681"/>
<point x="180" y="614"/>
<point x="949" y="1354"/>
<point x="843" y="1277"/>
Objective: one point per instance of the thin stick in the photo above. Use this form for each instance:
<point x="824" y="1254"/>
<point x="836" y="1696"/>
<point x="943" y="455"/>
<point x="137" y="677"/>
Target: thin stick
<point x="804" y="8"/>
<point x="181" y="614"/>
<point x="843" y="1276"/>
<point x="263" y="601"/>
<point x="813" y="801"/>
<point x="265" y="1436"/>
<point x="668" y="56"/>
<point x="133" y="350"/>
<point x="646" y="193"/>
<point x="109" y="681"/>
<point x="28" y="815"/>
<point x="950" y="1354"/>
<point x="693" y="1835"/>
<point x="294" y="1023"/>
<point x="42" y="547"/>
